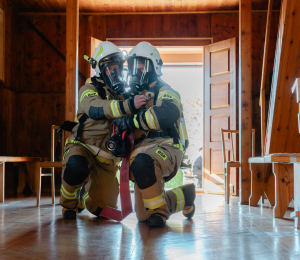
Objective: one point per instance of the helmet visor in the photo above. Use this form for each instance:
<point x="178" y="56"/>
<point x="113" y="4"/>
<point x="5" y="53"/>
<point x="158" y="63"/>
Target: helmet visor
<point x="112" y="72"/>
<point x="138" y="69"/>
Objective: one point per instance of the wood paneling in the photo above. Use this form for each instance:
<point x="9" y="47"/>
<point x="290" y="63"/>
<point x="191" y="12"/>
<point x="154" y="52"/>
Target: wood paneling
<point x="220" y="96"/>
<point x="140" y="6"/>
<point x="36" y="114"/>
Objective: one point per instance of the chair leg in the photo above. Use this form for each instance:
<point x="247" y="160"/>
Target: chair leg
<point x="53" y="186"/>
<point x="2" y="181"/>
<point x="39" y="188"/>
<point x="228" y="183"/>
<point x="225" y="184"/>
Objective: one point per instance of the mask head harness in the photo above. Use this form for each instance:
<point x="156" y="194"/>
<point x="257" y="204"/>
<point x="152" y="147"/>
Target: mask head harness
<point x="141" y="73"/>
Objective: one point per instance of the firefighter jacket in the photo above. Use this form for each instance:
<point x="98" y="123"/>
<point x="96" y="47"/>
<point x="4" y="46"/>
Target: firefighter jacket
<point x="163" y="111"/>
<point x="100" y="104"/>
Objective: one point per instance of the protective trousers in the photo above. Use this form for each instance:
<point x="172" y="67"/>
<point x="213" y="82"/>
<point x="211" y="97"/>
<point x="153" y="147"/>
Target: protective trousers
<point x="102" y="187"/>
<point x="149" y="170"/>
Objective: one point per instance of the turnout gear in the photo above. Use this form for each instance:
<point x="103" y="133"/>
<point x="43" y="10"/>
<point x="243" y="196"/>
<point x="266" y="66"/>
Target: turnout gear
<point x="85" y="153"/>
<point x="157" y="153"/>
<point x="100" y="190"/>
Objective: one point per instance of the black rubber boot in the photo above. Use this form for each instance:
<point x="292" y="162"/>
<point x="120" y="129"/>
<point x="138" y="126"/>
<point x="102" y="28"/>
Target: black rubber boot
<point x="69" y="214"/>
<point x="155" y="220"/>
<point x="189" y="192"/>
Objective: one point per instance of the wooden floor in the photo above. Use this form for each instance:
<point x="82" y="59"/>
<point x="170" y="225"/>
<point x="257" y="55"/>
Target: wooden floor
<point x="217" y="231"/>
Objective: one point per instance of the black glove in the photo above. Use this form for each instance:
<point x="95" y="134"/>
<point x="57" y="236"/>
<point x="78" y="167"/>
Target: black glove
<point x="124" y="123"/>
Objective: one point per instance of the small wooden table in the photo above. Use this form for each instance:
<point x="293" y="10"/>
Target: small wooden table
<point x="280" y="187"/>
<point x="5" y="159"/>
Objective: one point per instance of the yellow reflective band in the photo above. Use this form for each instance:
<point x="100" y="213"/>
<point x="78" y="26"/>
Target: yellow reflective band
<point x="189" y="210"/>
<point x="66" y="152"/>
<point x="136" y="123"/>
<point x="155" y="202"/>
<point x="99" y="52"/>
<point x="180" y="146"/>
<point x="150" y="121"/>
<point x="99" y="158"/>
<point x="161" y="154"/>
<point x="180" y="199"/>
<point x="114" y="108"/>
<point x="69" y="195"/>
<point x="107" y="97"/>
<point x="85" y="197"/>
<point x="117" y="109"/>
<point x="169" y="94"/>
<point x="88" y="93"/>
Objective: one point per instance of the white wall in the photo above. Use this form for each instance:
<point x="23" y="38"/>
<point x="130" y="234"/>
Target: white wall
<point x="188" y="81"/>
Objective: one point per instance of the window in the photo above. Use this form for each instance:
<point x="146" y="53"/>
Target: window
<point x="2" y="32"/>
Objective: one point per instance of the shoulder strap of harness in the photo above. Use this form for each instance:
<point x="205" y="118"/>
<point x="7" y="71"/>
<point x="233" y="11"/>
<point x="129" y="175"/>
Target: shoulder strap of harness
<point x="68" y="126"/>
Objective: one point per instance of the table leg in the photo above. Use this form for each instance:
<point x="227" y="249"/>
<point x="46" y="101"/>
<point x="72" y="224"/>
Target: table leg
<point x="284" y="188"/>
<point x="296" y="212"/>
<point x="2" y="181"/>
<point x="258" y="171"/>
<point x="53" y="185"/>
<point x="38" y="180"/>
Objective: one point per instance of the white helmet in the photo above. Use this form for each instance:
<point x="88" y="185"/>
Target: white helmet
<point x="104" y="50"/>
<point x="146" y="50"/>
<point x="108" y="63"/>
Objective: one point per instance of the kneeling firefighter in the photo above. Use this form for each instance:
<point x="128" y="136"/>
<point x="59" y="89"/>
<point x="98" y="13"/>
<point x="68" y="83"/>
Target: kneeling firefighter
<point x="85" y="156"/>
<point x="157" y="153"/>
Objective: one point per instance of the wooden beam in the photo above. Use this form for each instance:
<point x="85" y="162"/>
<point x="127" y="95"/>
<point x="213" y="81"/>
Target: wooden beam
<point x="148" y="13"/>
<point x="282" y="133"/>
<point x="263" y="78"/>
<point x="72" y="39"/>
<point x="245" y="97"/>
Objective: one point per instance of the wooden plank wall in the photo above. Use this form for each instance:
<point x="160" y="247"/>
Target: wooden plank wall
<point x="7" y="88"/>
<point x="40" y="81"/>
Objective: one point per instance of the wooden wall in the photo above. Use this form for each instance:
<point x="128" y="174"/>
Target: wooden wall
<point x="39" y="74"/>
<point x="7" y="90"/>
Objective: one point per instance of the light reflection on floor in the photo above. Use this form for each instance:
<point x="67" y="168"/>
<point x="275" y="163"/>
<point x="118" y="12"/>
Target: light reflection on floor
<point x="217" y="231"/>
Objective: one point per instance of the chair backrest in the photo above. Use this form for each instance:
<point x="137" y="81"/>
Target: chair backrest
<point x="230" y="132"/>
<point x="54" y="129"/>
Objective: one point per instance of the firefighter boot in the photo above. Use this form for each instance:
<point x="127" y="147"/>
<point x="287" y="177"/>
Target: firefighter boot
<point x="69" y="214"/>
<point x="189" y="193"/>
<point x="156" y="220"/>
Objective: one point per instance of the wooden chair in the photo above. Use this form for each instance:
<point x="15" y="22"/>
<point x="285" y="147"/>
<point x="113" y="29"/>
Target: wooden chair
<point x="50" y="165"/>
<point x="234" y="163"/>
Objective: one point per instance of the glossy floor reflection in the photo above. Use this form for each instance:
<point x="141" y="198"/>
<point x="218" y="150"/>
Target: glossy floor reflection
<point x="217" y="231"/>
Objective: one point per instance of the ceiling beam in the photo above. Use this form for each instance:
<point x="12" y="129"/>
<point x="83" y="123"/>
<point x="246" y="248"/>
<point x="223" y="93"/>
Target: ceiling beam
<point x="148" y="13"/>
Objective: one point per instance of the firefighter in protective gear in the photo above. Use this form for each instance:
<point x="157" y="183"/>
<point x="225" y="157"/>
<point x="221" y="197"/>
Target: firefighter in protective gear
<point x="89" y="170"/>
<point x="157" y="153"/>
